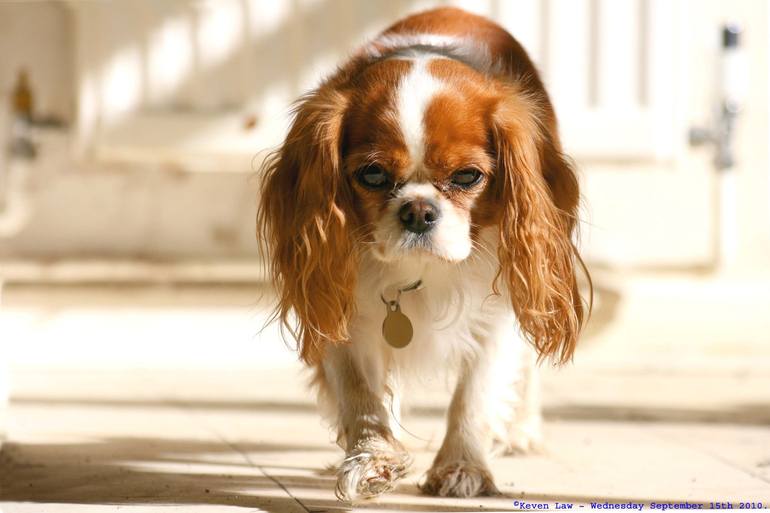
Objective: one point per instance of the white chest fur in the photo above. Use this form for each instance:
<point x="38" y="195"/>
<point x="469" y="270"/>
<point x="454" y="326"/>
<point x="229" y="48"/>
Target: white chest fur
<point x="453" y="314"/>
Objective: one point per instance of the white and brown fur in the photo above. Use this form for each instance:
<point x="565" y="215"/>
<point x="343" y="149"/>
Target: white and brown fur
<point x="437" y="92"/>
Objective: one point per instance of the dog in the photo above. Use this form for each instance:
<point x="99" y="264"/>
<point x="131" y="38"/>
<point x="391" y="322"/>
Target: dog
<point x="418" y="218"/>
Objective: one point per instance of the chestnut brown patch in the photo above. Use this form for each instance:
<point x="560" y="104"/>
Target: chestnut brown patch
<point x="457" y="129"/>
<point x="371" y="134"/>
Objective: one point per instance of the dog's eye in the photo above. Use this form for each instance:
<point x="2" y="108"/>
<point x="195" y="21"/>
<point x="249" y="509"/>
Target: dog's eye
<point x="373" y="177"/>
<point x="466" y="177"/>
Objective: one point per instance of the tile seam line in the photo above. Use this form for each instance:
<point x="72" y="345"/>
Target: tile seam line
<point x="182" y="405"/>
<point x="190" y="412"/>
<point x="262" y="470"/>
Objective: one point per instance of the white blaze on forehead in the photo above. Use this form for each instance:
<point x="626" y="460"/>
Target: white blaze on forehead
<point x="413" y="96"/>
<point x="411" y="191"/>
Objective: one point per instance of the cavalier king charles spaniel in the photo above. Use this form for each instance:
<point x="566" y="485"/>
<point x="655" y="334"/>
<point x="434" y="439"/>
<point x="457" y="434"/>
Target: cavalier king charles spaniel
<point x="417" y="218"/>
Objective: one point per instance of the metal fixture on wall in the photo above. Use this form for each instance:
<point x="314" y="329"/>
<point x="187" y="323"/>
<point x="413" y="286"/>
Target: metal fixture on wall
<point x="733" y="75"/>
<point x="732" y="92"/>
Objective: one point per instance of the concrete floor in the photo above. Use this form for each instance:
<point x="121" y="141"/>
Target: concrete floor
<point x="120" y="401"/>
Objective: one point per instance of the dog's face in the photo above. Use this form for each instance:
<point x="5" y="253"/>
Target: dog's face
<point x="407" y="157"/>
<point x="418" y="158"/>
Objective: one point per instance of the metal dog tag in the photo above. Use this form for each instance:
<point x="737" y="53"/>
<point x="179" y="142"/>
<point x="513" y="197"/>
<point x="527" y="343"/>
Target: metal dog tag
<point x="396" y="328"/>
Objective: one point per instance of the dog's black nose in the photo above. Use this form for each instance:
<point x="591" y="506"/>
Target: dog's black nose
<point x="418" y="216"/>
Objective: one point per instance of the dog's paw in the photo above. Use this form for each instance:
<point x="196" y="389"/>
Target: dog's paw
<point x="523" y="441"/>
<point x="368" y="473"/>
<point x="459" y="479"/>
<point x="525" y="436"/>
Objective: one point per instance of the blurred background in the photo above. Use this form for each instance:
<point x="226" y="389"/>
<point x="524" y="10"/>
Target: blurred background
<point x="131" y="135"/>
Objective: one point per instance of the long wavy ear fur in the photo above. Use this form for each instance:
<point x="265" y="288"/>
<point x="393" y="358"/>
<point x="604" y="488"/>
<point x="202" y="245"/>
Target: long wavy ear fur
<point x="304" y="222"/>
<point x="537" y="191"/>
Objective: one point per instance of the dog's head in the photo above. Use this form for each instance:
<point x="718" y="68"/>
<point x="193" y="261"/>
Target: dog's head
<point x="409" y="157"/>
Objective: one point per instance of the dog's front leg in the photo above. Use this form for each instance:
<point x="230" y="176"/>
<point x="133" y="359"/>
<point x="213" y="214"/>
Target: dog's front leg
<point x="460" y="468"/>
<point x="374" y="459"/>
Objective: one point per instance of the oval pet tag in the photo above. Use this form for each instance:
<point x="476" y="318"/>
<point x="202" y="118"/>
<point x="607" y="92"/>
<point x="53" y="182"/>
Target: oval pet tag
<point x="396" y="328"/>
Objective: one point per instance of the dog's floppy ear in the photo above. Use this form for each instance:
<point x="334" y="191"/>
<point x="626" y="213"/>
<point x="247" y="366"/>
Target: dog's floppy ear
<point x="304" y="219"/>
<point x="537" y="193"/>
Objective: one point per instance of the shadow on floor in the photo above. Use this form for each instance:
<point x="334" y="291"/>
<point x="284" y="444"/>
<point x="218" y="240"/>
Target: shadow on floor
<point x="135" y="471"/>
<point x="141" y="470"/>
<point x="162" y="471"/>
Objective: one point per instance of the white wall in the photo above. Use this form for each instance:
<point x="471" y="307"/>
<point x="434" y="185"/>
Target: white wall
<point x="79" y="208"/>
